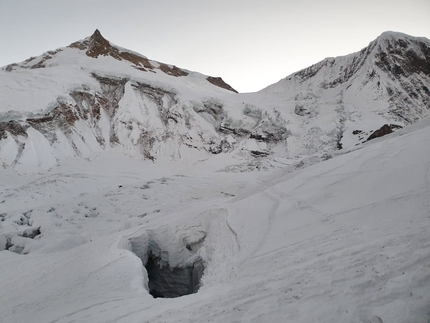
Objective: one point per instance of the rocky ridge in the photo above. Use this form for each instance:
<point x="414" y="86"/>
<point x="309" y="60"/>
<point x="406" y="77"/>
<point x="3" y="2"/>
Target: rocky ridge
<point x="387" y="81"/>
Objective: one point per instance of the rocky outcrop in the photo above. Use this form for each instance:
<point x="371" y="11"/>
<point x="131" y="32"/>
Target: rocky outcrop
<point x="406" y="62"/>
<point x="218" y="81"/>
<point x="384" y="130"/>
<point x="403" y="56"/>
<point x="14" y="128"/>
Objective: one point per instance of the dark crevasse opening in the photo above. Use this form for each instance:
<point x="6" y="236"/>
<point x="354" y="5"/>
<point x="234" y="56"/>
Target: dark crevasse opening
<point x="169" y="282"/>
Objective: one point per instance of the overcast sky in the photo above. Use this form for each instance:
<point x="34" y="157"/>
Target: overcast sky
<point x="249" y="43"/>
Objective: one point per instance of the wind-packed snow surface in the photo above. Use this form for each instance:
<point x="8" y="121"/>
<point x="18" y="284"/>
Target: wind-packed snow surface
<point x="344" y="240"/>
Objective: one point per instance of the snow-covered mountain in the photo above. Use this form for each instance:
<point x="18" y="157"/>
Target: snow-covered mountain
<point x="331" y="228"/>
<point x="94" y="95"/>
<point x="385" y="83"/>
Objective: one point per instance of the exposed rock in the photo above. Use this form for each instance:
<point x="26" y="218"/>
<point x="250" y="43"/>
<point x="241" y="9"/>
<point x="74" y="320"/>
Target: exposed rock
<point x="384" y="130"/>
<point x="174" y="71"/>
<point x="97" y="45"/>
<point x="14" y="127"/>
<point x="212" y="112"/>
<point x="259" y="153"/>
<point x="164" y="99"/>
<point x="227" y="129"/>
<point x="218" y="81"/>
<point x="31" y="233"/>
<point x="394" y="63"/>
<point x="258" y="125"/>
<point x="9" y="68"/>
<point x="339" y="145"/>
<point x="112" y="92"/>
<point x="398" y="57"/>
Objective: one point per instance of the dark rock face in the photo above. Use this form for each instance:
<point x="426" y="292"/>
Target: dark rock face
<point x="98" y="45"/>
<point x="384" y="130"/>
<point x="173" y="71"/>
<point x="407" y="63"/>
<point x="404" y="57"/>
<point x="218" y="81"/>
<point x="259" y="153"/>
<point x="15" y="128"/>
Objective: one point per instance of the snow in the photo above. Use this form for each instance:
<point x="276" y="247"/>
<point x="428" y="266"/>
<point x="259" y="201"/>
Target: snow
<point x="308" y="234"/>
<point x="344" y="240"/>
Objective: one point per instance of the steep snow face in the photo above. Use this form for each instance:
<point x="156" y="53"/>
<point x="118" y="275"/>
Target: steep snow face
<point x="393" y="60"/>
<point x="386" y="82"/>
<point x="94" y="95"/>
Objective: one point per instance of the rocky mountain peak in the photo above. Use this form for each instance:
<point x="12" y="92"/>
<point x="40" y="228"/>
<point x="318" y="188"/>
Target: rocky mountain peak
<point x="402" y="55"/>
<point x="97" y="35"/>
<point x="393" y="52"/>
<point x="98" y="45"/>
<point x="390" y="35"/>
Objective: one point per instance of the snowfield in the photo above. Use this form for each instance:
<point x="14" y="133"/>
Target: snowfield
<point x="343" y="240"/>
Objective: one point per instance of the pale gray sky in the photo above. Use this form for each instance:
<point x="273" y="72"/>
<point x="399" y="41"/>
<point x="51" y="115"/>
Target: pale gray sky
<point x="249" y="43"/>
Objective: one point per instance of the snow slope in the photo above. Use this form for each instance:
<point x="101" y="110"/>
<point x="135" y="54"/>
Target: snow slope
<point x="386" y="82"/>
<point x="345" y="240"/>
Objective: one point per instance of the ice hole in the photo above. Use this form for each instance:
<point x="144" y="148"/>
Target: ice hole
<point x="175" y="267"/>
<point x="166" y="282"/>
